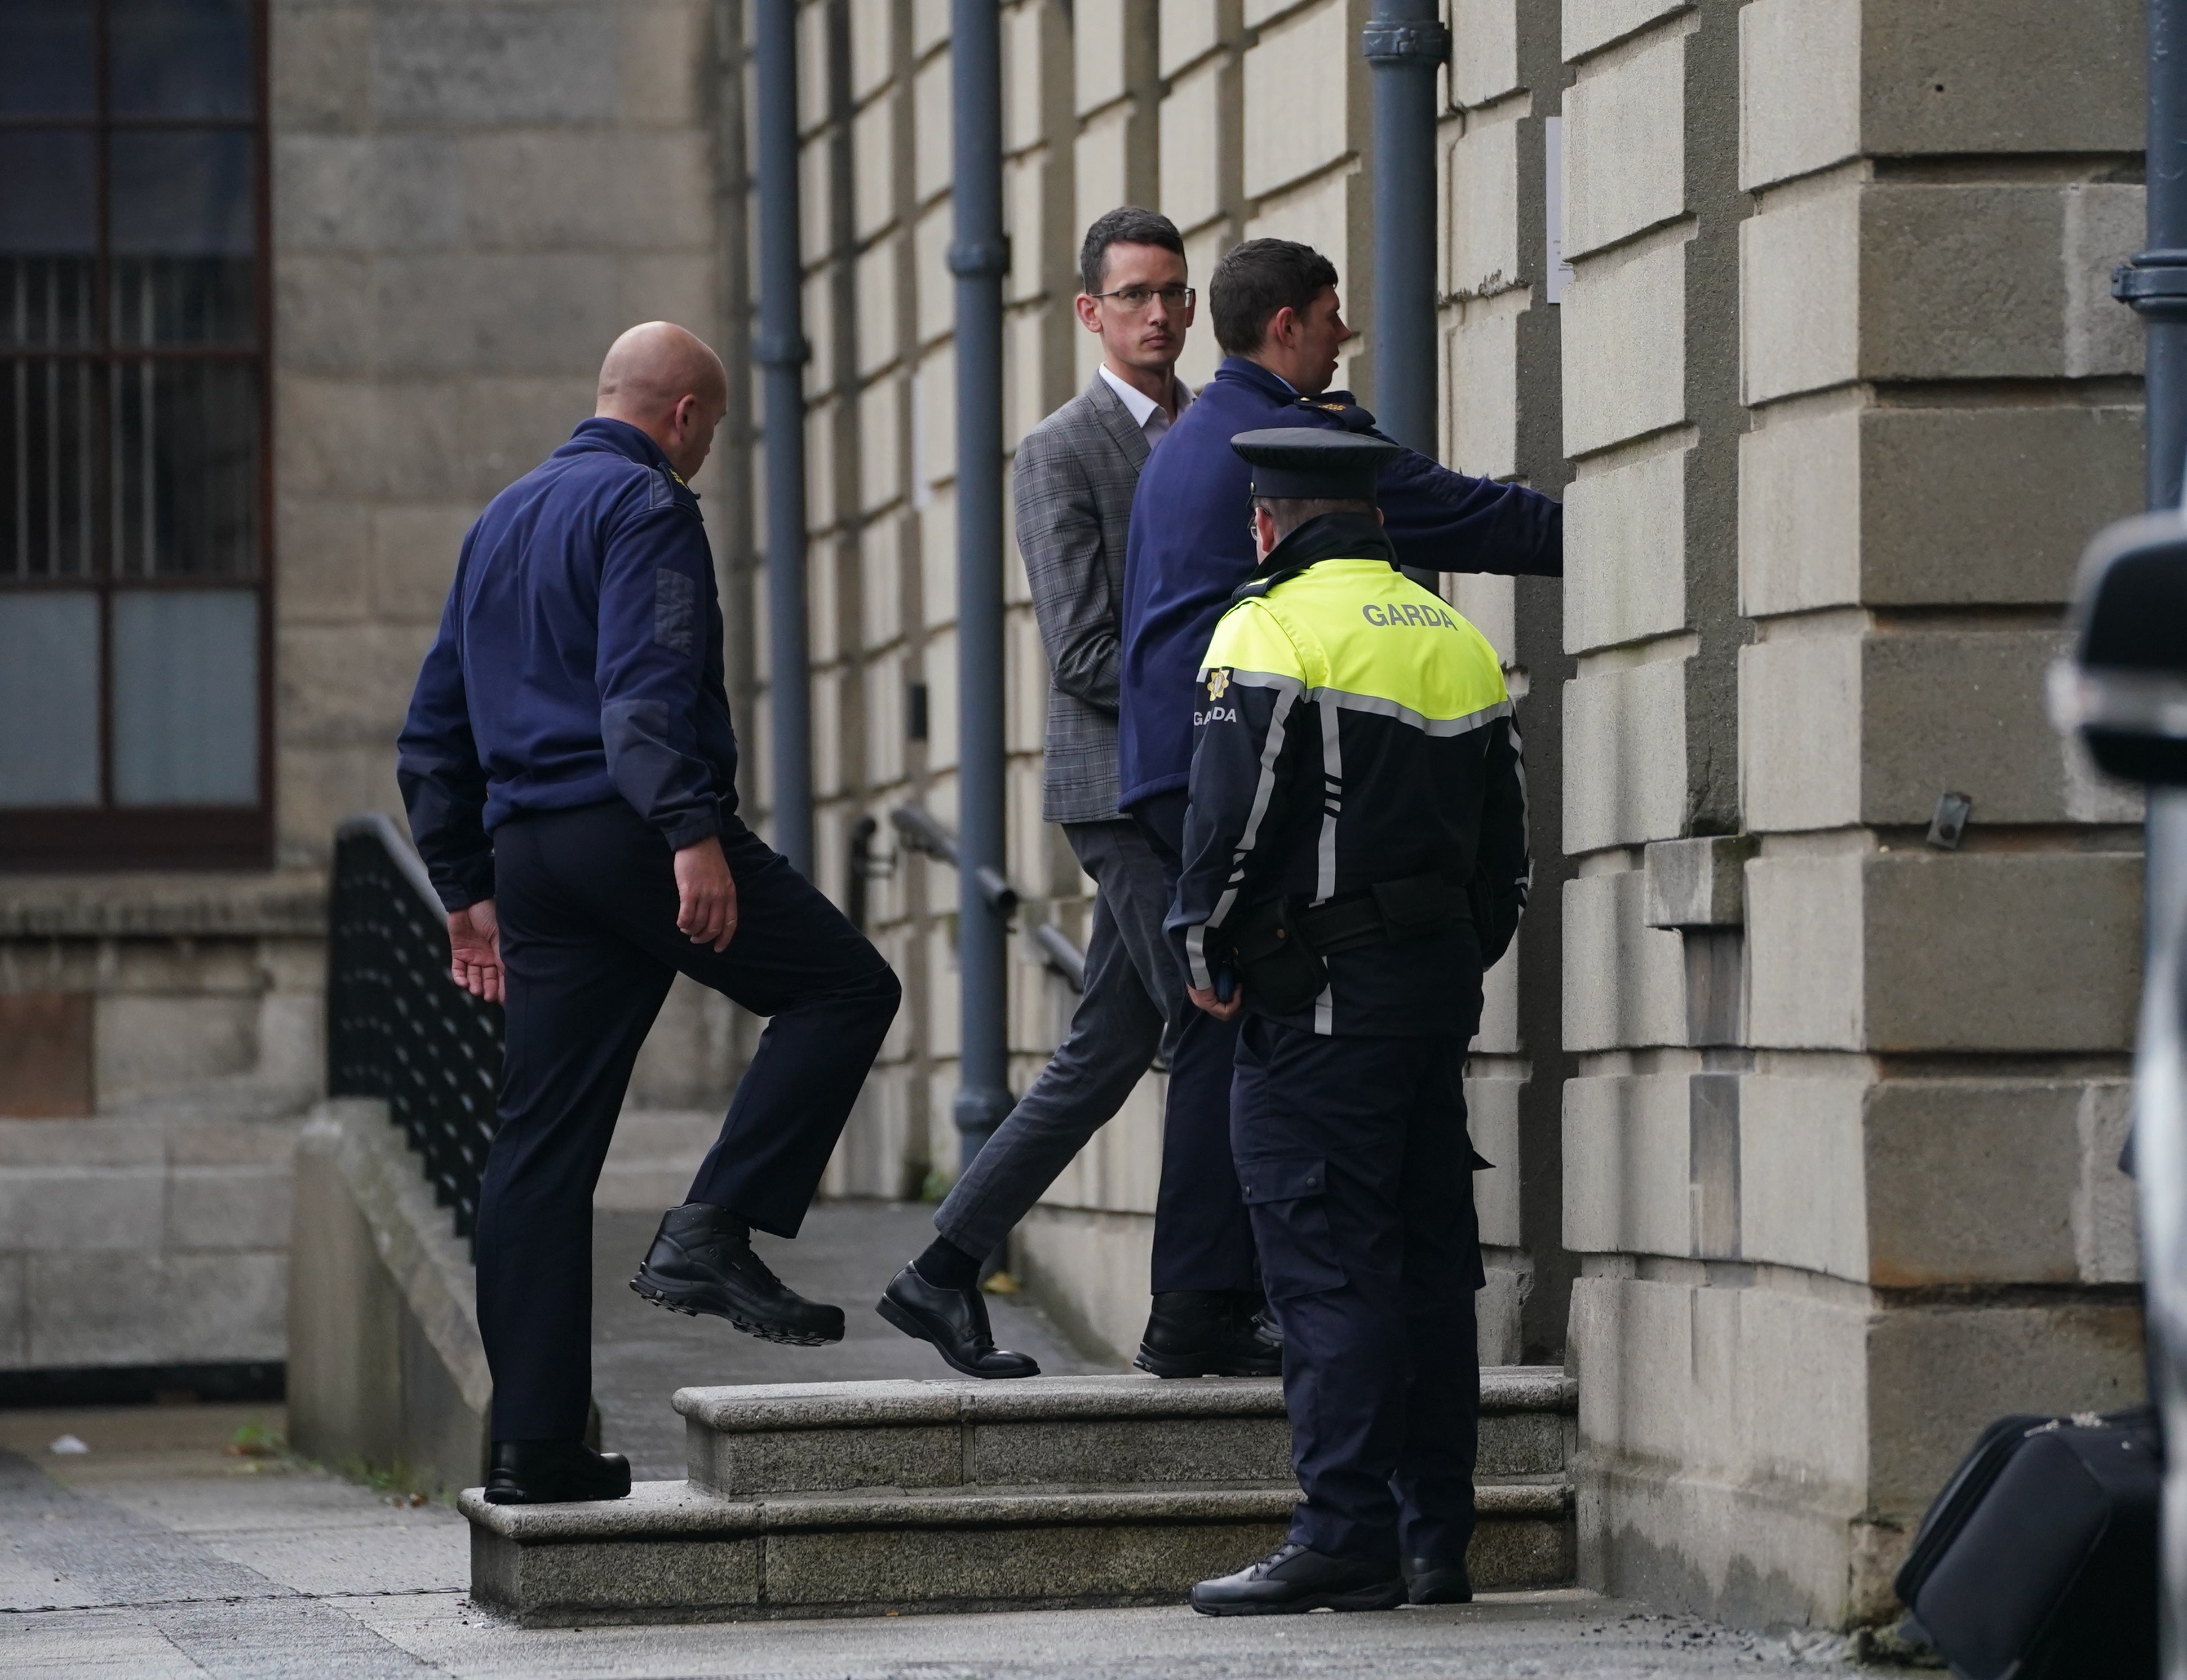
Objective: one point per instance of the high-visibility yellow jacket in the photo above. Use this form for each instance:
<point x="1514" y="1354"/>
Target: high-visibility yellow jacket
<point x="1351" y="729"/>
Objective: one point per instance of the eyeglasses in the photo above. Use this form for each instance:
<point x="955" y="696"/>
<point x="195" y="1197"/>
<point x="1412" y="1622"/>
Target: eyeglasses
<point x="1134" y="299"/>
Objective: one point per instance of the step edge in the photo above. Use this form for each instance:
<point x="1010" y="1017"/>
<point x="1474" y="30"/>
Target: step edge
<point x="679" y="1510"/>
<point x="915" y="1403"/>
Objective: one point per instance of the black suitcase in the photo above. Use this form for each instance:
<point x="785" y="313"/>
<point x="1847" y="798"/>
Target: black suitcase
<point x="2038" y="1561"/>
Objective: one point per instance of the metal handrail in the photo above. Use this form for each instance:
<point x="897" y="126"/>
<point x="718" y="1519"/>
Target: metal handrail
<point x="922" y="834"/>
<point x="398" y="1028"/>
<point x="1059" y="957"/>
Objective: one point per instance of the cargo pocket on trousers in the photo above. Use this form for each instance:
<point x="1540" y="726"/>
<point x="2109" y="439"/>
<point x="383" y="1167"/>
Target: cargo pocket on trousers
<point x="1289" y="1199"/>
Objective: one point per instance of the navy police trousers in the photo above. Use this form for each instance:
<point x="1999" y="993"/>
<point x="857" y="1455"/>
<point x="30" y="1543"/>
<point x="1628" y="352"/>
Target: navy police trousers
<point x="1203" y="1239"/>
<point x="587" y="903"/>
<point x="1353" y="1159"/>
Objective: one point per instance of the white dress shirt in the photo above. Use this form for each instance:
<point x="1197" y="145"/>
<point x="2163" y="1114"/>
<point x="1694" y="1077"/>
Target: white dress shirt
<point x="1146" y="413"/>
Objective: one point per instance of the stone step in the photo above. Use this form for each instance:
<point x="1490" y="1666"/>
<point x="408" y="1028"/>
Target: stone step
<point x="1075" y="1431"/>
<point x="672" y="1552"/>
<point x="865" y="1498"/>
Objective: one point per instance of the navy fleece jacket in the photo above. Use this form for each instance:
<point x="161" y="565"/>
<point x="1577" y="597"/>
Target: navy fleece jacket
<point x="579" y="660"/>
<point x="1190" y="545"/>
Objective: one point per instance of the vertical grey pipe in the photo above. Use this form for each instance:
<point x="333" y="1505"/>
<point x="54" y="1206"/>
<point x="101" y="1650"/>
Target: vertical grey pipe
<point x="979" y="258"/>
<point x="2155" y="281"/>
<point x="2156" y="284"/>
<point x="1404" y="42"/>
<point x="782" y="351"/>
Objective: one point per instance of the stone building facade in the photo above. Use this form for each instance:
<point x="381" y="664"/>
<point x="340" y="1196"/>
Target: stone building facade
<point x="1806" y="1129"/>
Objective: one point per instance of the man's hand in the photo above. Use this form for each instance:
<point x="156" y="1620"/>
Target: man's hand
<point x="706" y="897"/>
<point x="474" y="950"/>
<point x="1206" y="998"/>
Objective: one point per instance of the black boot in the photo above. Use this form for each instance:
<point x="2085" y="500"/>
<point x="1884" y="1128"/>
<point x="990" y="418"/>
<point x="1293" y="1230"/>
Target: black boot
<point x="553" y="1473"/>
<point x="956" y="1322"/>
<point x="1429" y="1582"/>
<point x="1207" y="1333"/>
<point x="1291" y="1579"/>
<point x="701" y="1260"/>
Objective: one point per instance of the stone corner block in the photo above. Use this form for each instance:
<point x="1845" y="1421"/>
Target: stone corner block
<point x="1699" y="883"/>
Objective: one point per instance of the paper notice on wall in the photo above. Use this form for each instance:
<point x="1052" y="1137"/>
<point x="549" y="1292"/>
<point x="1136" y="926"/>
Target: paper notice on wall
<point x="1553" y="161"/>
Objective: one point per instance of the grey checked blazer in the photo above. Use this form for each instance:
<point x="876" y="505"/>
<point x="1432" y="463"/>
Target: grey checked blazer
<point x="1075" y="474"/>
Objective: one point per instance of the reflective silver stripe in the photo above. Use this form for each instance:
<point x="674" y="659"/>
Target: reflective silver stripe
<point x="1324" y="1011"/>
<point x="1432" y="726"/>
<point x="1195" y="958"/>
<point x="1288" y="689"/>
<point x="1526" y="816"/>
<point x="1332" y="800"/>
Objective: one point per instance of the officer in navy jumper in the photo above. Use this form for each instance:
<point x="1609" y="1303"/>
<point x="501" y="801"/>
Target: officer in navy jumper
<point x="1276" y="312"/>
<point x="569" y="770"/>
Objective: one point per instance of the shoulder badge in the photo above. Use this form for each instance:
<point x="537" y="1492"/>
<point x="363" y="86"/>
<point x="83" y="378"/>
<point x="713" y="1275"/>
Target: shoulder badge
<point x="1218" y="683"/>
<point x="667" y="489"/>
<point x="1349" y="415"/>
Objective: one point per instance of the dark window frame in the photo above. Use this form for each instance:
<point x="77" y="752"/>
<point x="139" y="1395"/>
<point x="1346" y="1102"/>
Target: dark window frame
<point x="80" y="839"/>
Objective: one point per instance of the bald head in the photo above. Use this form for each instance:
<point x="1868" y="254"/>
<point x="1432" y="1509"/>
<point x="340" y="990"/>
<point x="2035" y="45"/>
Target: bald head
<point x="665" y="382"/>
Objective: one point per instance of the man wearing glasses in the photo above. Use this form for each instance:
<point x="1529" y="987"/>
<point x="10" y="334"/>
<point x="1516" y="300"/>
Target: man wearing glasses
<point x="1075" y="474"/>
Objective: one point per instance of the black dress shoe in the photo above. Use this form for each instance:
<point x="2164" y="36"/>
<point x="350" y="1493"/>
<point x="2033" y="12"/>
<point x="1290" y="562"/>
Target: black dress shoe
<point x="1292" y="1579"/>
<point x="553" y="1473"/>
<point x="1429" y="1582"/>
<point x="702" y="1261"/>
<point x="1207" y="1333"/>
<point x="956" y="1322"/>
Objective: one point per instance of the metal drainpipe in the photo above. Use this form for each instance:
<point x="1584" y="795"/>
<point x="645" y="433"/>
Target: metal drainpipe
<point x="979" y="258"/>
<point x="1404" y="42"/>
<point x="2155" y="282"/>
<point x="783" y="351"/>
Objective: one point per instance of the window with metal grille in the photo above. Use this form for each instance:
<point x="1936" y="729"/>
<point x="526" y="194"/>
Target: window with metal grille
<point x="134" y="506"/>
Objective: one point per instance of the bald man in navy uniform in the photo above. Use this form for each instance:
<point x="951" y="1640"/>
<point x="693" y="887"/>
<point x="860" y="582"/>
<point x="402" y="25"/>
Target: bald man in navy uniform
<point x="569" y="769"/>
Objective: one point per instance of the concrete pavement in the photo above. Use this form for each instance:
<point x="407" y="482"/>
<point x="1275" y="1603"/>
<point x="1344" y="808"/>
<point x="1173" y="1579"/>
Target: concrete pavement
<point x="156" y="1555"/>
<point x="160" y="1554"/>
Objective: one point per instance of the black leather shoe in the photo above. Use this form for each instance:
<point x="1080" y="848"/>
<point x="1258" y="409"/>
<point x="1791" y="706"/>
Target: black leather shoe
<point x="702" y="1261"/>
<point x="1292" y="1579"/>
<point x="1429" y="1582"/>
<point x="553" y="1473"/>
<point x="1207" y="1333"/>
<point x="956" y="1322"/>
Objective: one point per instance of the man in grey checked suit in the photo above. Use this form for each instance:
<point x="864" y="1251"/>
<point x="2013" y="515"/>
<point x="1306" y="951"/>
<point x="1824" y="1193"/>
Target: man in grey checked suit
<point x="1075" y="476"/>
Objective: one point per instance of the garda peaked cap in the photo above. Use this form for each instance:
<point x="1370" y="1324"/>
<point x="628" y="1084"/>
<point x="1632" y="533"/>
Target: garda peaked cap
<point x="1305" y="461"/>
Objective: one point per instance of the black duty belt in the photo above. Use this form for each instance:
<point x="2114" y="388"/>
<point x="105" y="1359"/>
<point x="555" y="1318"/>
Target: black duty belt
<point x="1278" y="946"/>
<point x="1405" y="909"/>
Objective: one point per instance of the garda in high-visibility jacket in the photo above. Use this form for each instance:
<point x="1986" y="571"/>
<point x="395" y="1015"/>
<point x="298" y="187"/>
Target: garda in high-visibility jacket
<point x="1355" y="854"/>
<point x="1354" y="752"/>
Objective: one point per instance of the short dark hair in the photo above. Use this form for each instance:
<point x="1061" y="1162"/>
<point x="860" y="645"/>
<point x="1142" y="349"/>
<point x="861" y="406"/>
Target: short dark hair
<point x="1291" y="512"/>
<point x="1126" y="225"/>
<point x="1255" y="280"/>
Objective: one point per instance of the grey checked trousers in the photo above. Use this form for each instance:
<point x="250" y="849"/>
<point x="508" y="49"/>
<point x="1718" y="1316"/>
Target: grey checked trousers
<point x="1135" y="986"/>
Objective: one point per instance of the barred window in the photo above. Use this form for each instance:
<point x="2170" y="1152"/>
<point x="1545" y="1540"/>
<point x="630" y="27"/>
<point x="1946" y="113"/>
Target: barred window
<point x="134" y="633"/>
